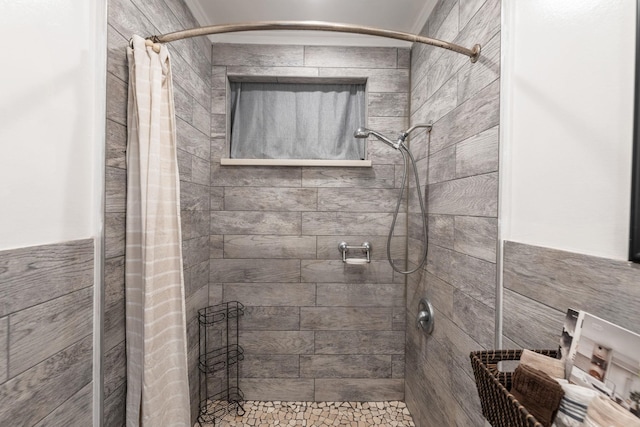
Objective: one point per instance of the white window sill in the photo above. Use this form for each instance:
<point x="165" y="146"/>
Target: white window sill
<point x="295" y="162"/>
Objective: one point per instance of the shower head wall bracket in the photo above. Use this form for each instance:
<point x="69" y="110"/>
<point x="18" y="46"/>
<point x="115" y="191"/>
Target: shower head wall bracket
<point x="404" y="134"/>
<point x="344" y="248"/>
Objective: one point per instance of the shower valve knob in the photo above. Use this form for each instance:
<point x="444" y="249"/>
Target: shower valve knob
<point x="425" y="316"/>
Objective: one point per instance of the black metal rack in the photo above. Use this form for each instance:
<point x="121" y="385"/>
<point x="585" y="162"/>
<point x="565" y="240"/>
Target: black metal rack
<point x="220" y="353"/>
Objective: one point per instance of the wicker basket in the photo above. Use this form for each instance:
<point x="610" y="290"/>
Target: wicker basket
<point x="499" y="406"/>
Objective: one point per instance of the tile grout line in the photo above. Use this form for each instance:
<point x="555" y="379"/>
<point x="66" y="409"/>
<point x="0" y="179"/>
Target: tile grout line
<point x="7" y="349"/>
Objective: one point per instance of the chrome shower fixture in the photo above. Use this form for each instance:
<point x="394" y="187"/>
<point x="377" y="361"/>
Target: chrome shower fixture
<point x="365" y="133"/>
<point x="407" y="157"/>
<point x="405" y="134"/>
<point x="344" y="247"/>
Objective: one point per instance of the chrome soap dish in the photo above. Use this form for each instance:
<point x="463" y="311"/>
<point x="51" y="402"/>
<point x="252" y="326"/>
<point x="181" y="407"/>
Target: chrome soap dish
<point x="365" y="248"/>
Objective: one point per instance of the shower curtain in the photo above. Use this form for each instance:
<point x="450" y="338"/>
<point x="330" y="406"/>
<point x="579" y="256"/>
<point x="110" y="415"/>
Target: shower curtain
<point x="157" y="373"/>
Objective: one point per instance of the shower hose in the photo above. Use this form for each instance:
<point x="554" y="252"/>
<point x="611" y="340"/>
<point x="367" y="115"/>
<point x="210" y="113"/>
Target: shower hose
<point x="406" y="152"/>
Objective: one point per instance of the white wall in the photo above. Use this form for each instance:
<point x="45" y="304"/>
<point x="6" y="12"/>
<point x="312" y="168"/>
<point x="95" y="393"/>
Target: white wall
<point x="567" y="123"/>
<point x="52" y="95"/>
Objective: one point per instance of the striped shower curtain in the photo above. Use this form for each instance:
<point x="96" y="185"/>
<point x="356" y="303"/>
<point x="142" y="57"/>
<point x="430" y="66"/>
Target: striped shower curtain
<point x="157" y="374"/>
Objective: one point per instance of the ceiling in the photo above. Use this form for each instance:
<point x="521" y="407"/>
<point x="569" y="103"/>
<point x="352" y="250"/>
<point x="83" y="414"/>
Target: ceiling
<point x="400" y="15"/>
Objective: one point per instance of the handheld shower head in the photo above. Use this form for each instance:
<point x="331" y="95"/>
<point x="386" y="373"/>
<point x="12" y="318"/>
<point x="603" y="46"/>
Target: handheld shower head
<point x="407" y="157"/>
<point x="362" y="133"/>
<point x="365" y="133"/>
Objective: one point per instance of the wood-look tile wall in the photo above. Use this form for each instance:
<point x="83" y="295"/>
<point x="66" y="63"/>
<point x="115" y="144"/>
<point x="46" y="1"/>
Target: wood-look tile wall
<point x="46" y="335"/>
<point x="540" y="284"/>
<point x="458" y="165"/>
<point x="314" y="328"/>
<point x="191" y="68"/>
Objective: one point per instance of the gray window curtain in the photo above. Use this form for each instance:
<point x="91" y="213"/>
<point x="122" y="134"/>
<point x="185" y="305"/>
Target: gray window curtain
<point x="296" y="121"/>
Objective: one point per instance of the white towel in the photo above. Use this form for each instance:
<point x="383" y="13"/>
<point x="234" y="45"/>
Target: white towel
<point x="573" y="406"/>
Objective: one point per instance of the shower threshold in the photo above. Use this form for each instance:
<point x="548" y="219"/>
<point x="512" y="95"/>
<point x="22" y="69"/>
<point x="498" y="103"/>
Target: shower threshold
<point x="319" y="414"/>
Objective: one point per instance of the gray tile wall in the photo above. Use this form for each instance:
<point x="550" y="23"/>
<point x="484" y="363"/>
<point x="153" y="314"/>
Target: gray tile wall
<point x="458" y="164"/>
<point x="540" y="284"/>
<point x="192" y="82"/>
<point x="46" y="335"/>
<point x="314" y="328"/>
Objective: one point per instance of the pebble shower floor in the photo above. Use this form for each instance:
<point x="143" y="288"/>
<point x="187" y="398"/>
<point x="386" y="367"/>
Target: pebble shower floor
<point x="311" y="414"/>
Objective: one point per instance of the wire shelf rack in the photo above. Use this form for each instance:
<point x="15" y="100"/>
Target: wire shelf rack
<point x="220" y="354"/>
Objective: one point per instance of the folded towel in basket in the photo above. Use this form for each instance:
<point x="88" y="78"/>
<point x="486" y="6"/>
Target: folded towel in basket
<point x="552" y="367"/>
<point x="573" y="406"/>
<point x="603" y="412"/>
<point x="537" y="392"/>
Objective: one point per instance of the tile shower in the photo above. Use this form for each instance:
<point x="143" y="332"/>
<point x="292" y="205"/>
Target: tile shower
<point x="313" y="328"/>
<point x="268" y="236"/>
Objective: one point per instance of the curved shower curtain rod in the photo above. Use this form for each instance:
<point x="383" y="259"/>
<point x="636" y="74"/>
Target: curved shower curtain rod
<point x="472" y="53"/>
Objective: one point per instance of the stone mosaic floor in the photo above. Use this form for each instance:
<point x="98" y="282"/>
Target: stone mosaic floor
<point x="351" y="414"/>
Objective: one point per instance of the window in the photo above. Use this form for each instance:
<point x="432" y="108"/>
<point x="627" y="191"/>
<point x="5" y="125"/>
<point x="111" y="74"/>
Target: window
<point x="310" y="121"/>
